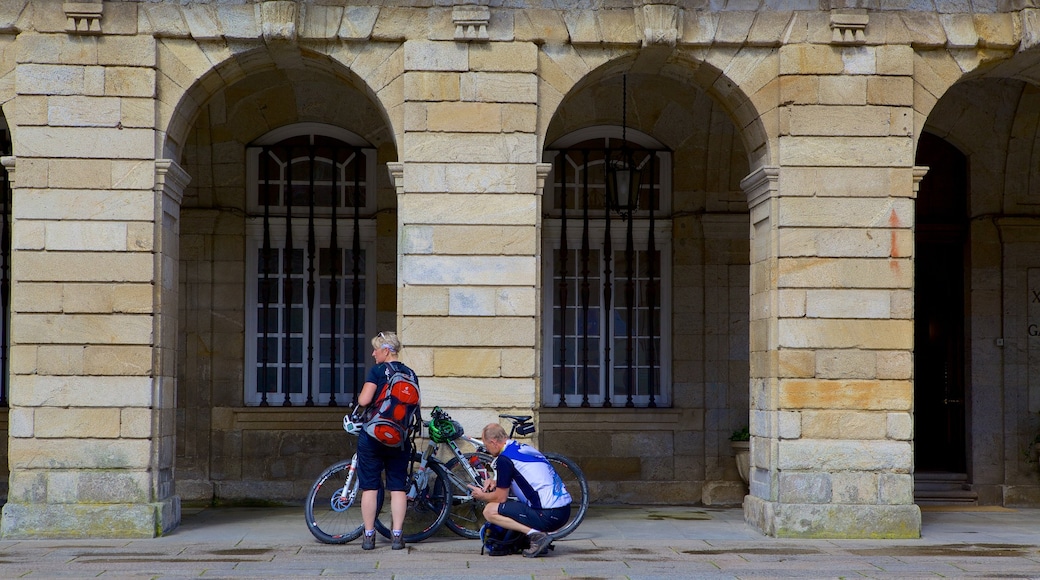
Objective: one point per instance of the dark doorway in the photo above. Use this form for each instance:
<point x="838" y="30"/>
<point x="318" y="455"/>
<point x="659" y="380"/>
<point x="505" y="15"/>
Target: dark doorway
<point x="939" y="309"/>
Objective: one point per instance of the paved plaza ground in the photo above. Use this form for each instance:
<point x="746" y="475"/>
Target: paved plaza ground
<point x="613" y="542"/>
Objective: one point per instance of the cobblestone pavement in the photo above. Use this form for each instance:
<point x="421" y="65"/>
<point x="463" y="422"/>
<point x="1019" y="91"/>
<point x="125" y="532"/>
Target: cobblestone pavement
<point x="613" y="542"/>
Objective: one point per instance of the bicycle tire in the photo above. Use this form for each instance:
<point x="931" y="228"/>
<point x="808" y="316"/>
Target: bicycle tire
<point x="332" y="517"/>
<point x="576" y="484"/>
<point x="427" y="511"/>
<point x="467" y="514"/>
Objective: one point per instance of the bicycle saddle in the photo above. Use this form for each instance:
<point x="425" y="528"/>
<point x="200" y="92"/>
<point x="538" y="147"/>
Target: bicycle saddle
<point x="517" y="418"/>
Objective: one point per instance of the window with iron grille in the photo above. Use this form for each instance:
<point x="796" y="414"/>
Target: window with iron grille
<point x="607" y="274"/>
<point x="310" y="238"/>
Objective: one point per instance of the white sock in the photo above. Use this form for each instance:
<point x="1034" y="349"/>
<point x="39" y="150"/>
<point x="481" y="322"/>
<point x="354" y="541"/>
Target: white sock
<point x="532" y="531"/>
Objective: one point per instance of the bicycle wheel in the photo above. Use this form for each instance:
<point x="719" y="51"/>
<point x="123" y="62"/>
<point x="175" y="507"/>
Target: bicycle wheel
<point x="428" y="508"/>
<point x="576" y="485"/>
<point x="467" y="514"/>
<point x="333" y="508"/>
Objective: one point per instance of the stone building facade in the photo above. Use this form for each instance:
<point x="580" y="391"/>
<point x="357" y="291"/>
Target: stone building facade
<point x="834" y="240"/>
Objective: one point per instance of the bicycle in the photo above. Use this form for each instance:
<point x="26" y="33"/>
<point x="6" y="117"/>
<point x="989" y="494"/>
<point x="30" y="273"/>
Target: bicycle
<point x="472" y="517"/>
<point x="333" y="510"/>
<point x="438" y="492"/>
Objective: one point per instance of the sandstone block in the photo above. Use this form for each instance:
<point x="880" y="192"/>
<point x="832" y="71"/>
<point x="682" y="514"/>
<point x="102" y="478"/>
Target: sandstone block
<point x="60" y="360"/>
<point x="514" y="301"/>
<point x="847" y="182"/>
<point x="414" y="117"/>
<point x="136" y="51"/>
<point x="896" y="364"/>
<point x="100" y="423"/>
<point x="37" y="298"/>
<point x="357" y="22"/>
<point x="23" y="359"/>
<point x="832" y="456"/>
<point x="470" y="362"/>
<point x="900" y="426"/>
<point x="80" y="391"/>
<point x="848" y="304"/>
<point x="849" y="394"/>
<point x="431" y="86"/>
<point x="470" y="331"/>
<point x="855" y="487"/>
<point x="464" y="117"/>
<point x="83" y="267"/>
<point x="845" y="364"/>
<point x="117" y="360"/>
<point x="469" y="209"/>
<point x="79" y="453"/>
<point x="846" y="213"/>
<point x="839" y="120"/>
<point x="107" y="298"/>
<point x="960" y="30"/>
<point x="996" y="30"/>
<point x="540" y="25"/>
<point x="82" y="329"/>
<point x="843" y="425"/>
<point x="20" y="422"/>
<point x="83" y="111"/>
<point x="810" y="59"/>
<point x="504" y="57"/>
<point x="135" y="423"/>
<point x="805" y="487"/>
<point x="519" y="362"/>
<point x="896" y="488"/>
<point x="789" y="425"/>
<point x="499" y="87"/>
<point x="895" y="60"/>
<point x="424" y="300"/>
<point x="846" y="243"/>
<point x="124" y="81"/>
<point x="471" y="301"/>
<point x="480" y="240"/>
<point x="843" y="90"/>
<point x="859" y="60"/>
<point x="471" y="148"/>
<point x="39" y="520"/>
<point x="519" y="118"/>
<point x="468" y="270"/>
<point x="836" y="273"/>
<point x="394" y="23"/>
<point x="470" y="178"/>
<point x="837" y="333"/>
<point x="51" y="79"/>
<point x="897" y="91"/>
<point x="86" y="236"/>
<point x="855" y="151"/>
<point x="69" y="487"/>
<point x="86" y="143"/>
<point x="422" y="55"/>
<point x="495" y="393"/>
<point x="925" y="29"/>
<point x="796" y="363"/>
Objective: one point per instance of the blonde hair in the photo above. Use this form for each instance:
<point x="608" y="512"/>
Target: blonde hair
<point x="387" y="339"/>
<point x="494" y="432"/>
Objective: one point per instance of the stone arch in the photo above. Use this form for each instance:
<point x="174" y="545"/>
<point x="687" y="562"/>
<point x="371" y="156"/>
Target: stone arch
<point x="988" y="109"/>
<point x="748" y="94"/>
<point x="190" y="79"/>
<point x="714" y="135"/>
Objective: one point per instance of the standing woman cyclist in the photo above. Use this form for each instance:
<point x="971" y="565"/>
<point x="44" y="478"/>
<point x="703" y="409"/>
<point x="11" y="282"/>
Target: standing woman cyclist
<point x="374" y="458"/>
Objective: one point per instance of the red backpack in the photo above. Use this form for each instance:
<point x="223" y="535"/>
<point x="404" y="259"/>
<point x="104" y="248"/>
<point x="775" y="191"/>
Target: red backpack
<point x="396" y="408"/>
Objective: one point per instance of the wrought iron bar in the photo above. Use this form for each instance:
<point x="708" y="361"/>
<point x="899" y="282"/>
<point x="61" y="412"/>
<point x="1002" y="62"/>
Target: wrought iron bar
<point x="265" y="294"/>
<point x="585" y="281"/>
<point x="287" y="281"/>
<point x="630" y="310"/>
<point x="313" y="330"/>
<point x="336" y="261"/>
<point x="563" y="282"/>
<point x="608" y="305"/>
<point x="356" y="294"/>
<point x="651" y="287"/>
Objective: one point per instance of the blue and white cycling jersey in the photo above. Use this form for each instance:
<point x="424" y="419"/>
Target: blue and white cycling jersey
<point x="530" y="477"/>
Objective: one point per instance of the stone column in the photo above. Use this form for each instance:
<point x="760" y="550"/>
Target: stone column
<point x="93" y="313"/>
<point x="469" y="210"/>
<point x="832" y="301"/>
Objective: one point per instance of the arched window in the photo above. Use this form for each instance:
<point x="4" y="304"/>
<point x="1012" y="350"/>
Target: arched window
<point x="607" y="274"/>
<point x="310" y="262"/>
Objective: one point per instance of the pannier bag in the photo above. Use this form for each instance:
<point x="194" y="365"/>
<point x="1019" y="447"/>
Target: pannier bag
<point x="396" y="408"/>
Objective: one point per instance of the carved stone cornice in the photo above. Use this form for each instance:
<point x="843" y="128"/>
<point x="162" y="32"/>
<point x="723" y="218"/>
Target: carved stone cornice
<point x="278" y="20"/>
<point x="849" y="27"/>
<point x="83" y="17"/>
<point x="471" y="22"/>
<point x="662" y="22"/>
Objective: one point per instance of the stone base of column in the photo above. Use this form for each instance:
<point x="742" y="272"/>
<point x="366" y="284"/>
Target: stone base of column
<point x="784" y="520"/>
<point x="39" y="521"/>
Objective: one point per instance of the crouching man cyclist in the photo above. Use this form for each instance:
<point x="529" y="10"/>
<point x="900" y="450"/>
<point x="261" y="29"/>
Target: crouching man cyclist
<point x="542" y="503"/>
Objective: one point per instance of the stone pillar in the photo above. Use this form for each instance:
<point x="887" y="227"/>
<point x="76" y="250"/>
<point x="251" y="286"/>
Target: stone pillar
<point x="832" y="301"/>
<point x="469" y="205"/>
<point x="93" y="313"/>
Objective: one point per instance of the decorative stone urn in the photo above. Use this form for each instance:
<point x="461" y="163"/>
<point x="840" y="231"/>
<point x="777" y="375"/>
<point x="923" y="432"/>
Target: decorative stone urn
<point x="742" y="452"/>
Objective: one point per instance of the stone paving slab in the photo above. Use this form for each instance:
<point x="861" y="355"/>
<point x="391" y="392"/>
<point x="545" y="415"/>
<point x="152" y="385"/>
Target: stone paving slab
<point x="613" y="542"/>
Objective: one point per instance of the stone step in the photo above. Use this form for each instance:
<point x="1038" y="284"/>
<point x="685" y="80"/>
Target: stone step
<point x="943" y="489"/>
